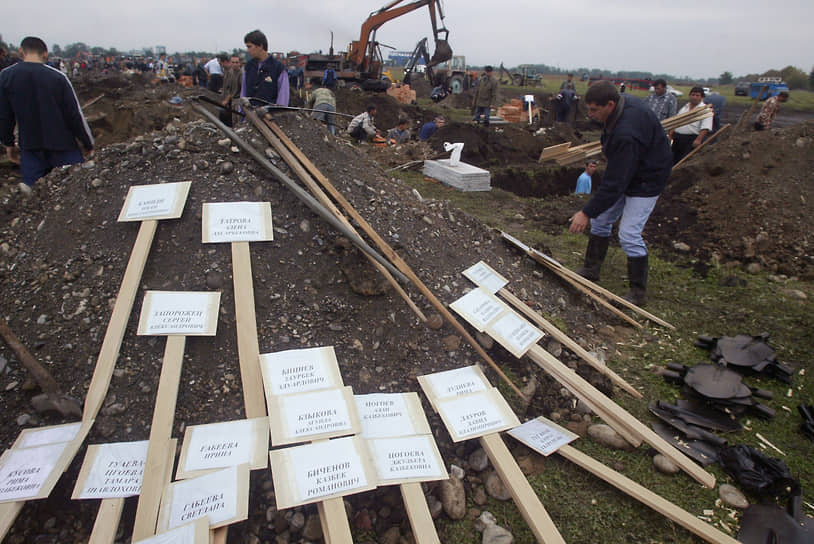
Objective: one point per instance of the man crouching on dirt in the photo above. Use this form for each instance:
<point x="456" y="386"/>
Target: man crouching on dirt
<point x="639" y="163"/>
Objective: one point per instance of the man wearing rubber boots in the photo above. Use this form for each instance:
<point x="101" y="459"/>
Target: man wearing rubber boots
<point x="639" y="164"/>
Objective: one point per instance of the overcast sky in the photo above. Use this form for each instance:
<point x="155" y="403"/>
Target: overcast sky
<point x="689" y="38"/>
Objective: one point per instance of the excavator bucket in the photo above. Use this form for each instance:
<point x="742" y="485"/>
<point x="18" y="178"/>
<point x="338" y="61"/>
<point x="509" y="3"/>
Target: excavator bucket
<point x="443" y="52"/>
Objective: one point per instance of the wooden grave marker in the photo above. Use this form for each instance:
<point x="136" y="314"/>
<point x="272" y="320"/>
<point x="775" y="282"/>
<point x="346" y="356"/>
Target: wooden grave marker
<point x="225" y="444"/>
<point x="314" y="415"/>
<point x="194" y="532"/>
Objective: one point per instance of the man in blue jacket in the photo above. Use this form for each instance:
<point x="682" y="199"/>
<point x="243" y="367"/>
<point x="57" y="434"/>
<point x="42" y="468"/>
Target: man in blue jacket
<point x="265" y="79"/>
<point x="639" y="164"/>
<point x="40" y="100"/>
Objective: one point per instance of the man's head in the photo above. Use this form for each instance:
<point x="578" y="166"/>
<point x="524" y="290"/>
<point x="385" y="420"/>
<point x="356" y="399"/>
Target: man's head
<point x="371" y="109"/>
<point x="439" y="121"/>
<point x="601" y="100"/>
<point x="696" y="95"/>
<point x="659" y="87"/>
<point x="234" y="62"/>
<point x="782" y="96"/>
<point x="32" y="46"/>
<point x="488" y="70"/>
<point x="402" y="124"/>
<point x="590" y="167"/>
<point x="570" y="77"/>
<point x="256" y="44"/>
<point x="223" y="59"/>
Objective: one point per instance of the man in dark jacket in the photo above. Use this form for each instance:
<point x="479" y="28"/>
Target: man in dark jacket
<point x="639" y="164"/>
<point x="265" y="79"/>
<point x="40" y="100"/>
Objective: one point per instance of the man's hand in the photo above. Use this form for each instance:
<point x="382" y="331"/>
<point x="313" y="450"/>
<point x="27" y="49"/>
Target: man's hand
<point x="13" y="154"/>
<point x="578" y="222"/>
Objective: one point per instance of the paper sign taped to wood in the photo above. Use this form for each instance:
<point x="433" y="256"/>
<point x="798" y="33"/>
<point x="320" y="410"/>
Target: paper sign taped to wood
<point x="196" y="532"/>
<point x="187" y="313"/>
<point x="479" y="307"/>
<point x="222" y="497"/>
<point x="54" y="434"/>
<point x="484" y="276"/>
<point x="237" y="222"/>
<point x="543" y="435"/>
<point x="312" y="416"/>
<point x="407" y="459"/>
<point x="111" y="471"/>
<point x="475" y="415"/>
<point x="300" y="370"/>
<point x="385" y="415"/>
<point x="220" y="445"/>
<point x="452" y="383"/>
<point x="159" y="201"/>
<point x="321" y="471"/>
<point x="514" y="333"/>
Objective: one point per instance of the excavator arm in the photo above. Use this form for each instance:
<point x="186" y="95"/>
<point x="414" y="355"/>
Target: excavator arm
<point x="362" y="52"/>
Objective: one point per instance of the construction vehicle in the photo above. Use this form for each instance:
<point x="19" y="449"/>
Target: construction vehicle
<point x="363" y="61"/>
<point x="527" y="76"/>
<point x="450" y="73"/>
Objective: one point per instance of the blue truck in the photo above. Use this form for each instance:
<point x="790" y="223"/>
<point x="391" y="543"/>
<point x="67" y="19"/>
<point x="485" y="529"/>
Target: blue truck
<point x="766" y="87"/>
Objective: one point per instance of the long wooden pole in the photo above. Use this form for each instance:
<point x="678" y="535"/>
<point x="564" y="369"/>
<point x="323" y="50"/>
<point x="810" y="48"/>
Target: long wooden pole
<point x="394" y="257"/>
<point x="419" y="513"/>
<point x="700" y="147"/>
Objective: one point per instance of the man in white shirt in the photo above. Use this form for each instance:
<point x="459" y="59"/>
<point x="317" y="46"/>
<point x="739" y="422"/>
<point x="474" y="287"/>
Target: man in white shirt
<point x="215" y="70"/>
<point x="688" y="137"/>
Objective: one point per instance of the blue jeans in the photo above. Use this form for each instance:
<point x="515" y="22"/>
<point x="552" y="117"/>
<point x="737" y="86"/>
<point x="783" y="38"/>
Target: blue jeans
<point x="634" y="211"/>
<point x="482" y="111"/>
<point x="37" y="164"/>
<point x="327" y="117"/>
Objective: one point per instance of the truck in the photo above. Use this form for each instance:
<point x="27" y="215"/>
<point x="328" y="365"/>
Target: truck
<point x="451" y="73"/>
<point x="765" y="87"/>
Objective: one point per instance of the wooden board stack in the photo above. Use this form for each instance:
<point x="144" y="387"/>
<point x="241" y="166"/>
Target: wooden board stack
<point x="463" y="177"/>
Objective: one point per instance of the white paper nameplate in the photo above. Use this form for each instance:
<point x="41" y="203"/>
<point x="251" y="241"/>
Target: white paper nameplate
<point x="220" y="445"/>
<point x="196" y="532"/>
<point x="321" y="471"/>
<point x="483" y="275"/>
<point x="300" y="370"/>
<point x="514" y="333"/>
<point x="111" y="471"/>
<point x="237" y="222"/>
<point x="385" y="415"/>
<point x="41" y="436"/>
<point x="159" y="201"/>
<point x="543" y="435"/>
<point x="475" y="415"/>
<point x="407" y="459"/>
<point x="222" y="497"/>
<point x="189" y="313"/>
<point x="452" y="383"/>
<point x="479" y="307"/>
<point x="312" y="416"/>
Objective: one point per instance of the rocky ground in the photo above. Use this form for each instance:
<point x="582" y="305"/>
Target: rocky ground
<point x="63" y="254"/>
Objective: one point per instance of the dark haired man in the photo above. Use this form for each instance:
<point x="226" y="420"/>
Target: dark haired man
<point x="361" y="127"/>
<point x="324" y="102"/>
<point x="769" y="111"/>
<point x="688" y="137"/>
<point x="639" y="164"/>
<point x="265" y="79"/>
<point x="214" y="68"/>
<point x="485" y="97"/>
<point x="663" y="104"/>
<point x="40" y="100"/>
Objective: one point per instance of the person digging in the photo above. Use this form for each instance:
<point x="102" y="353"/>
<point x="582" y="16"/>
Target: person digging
<point x="639" y="164"/>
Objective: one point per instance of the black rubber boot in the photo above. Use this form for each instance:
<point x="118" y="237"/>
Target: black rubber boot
<point x="637" y="278"/>
<point x="594" y="257"/>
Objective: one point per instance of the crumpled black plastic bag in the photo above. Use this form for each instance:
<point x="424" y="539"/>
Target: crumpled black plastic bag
<point x="757" y="473"/>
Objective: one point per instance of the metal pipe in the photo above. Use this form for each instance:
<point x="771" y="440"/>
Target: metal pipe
<point x="300" y="193"/>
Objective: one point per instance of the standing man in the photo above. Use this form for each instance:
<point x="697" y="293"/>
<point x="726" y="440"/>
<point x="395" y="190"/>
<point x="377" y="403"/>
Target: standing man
<point x="40" y="100"/>
<point x="769" y="111"/>
<point x="585" y="178"/>
<point x="688" y="137"/>
<point x="162" y="69"/>
<point x="264" y="77"/>
<point x="214" y="69"/>
<point x="639" y="164"/>
<point x="663" y="104"/>
<point x="485" y="97"/>
<point x="231" y="88"/>
<point x="717" y="101"/>
<point x="569" y="83"/>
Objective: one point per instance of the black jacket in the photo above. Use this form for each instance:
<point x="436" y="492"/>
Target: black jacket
<point x="262" y="80"/>
<point x="40" y="100"/>
<point x="638" y="153"/>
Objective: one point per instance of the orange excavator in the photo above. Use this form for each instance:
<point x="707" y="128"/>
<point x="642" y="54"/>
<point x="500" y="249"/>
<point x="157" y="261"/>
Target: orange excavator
<point x="363" y="61"/>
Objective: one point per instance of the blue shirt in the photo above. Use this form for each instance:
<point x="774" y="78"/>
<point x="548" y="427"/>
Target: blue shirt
<point x="583" y="184"/>
<point x="427" y="130"/>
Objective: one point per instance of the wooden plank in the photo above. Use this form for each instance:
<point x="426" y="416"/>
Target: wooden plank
<point x="547" y="361"/>
<point x="248" y="348"/>
<point x="106" y="362"/>
<point x="700" y="147"/>
<point x="320" y="195"/>
<point x="566" y="341"/>
<point x="155" y="467"/>
<point x="553" y="150"/>
<point x="523" y="494"/>
<point x="8" y="513"/>
<point x="419" y="513"/>
<point x="107" y="521"/>
<point x="334" y="521"/>
<point x="218" y="536"/>
<point x="394" y="257"/>
<point x="646" y="497"/>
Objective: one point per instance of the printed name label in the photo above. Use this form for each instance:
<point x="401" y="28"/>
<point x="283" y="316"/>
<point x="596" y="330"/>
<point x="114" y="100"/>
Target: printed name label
<point x="237" y="222"/>
<point x="483" y="275"/>
<point x="179" y="312"/>
<point x="479" y="308"/>
<point x="117" y="470"/>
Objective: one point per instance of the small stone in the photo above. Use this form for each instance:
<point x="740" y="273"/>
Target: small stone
<point x="435" y="506"/>
<point x="214" y="279"/>
<point x="681" y="246"/>
<point x="451" y="342"/>
<point x="391" y="536"/>
<point x="226" y="167"/>
<point x="606" y="436"/>
<point x="23" y="419"/>
<point x="484" y="340"/>
<point x="664" y="464"/>
<point x="435" y="321"/>
<point x="305" y="226"/>
<point x="732" y="496"/>
<point x="495" y="534"/>
<point x="753" y="268"/>
<point x="224" y="142"/>
<point x="114" y="409"/>
<point x="297" y="522"/>
<point x="312" y="529"/>
<point x="96" y="182"/>
<point x="362" y="520"/>
<point x="478" y="460"/>
<point x="554" y="348"/>
<point x="479" y="497"/>
<point x="42" y="319"/>
<point x="453" y="498"/>
<point x="495" y="487"/>
<point x="795" y="294"/>
<point x="456" y="472"/>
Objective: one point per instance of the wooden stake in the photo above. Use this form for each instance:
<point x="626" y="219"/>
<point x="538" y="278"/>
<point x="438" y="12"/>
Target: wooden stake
<point x="566" y="341"/>
<point x="334" y="521"/>
<point x="700" y="147"/>
<point x="155" y="468"/>
<point x="392" y="255"/>
<point x="523" y="494"/>
<point x="618" y="414"/>
<point x="419" y="513"/>
<point x="246" y="324"/>
<point x="8" y="513"/>
<point x="112" y="342"/>
<point x="107" y="521"/>
<point x="646" y="497"/>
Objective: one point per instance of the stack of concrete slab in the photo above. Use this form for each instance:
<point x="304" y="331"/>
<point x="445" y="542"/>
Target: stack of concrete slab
<point x="463" y="177"/>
